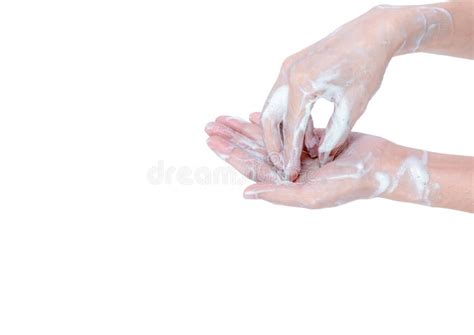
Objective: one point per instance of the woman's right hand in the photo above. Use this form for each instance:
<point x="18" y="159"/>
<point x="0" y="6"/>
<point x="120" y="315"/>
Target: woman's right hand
<point x="346" y="68"/>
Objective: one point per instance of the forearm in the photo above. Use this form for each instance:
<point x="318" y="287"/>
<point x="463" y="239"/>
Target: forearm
<point x="432" y="179"/>
<point x="442" y="28"/>
<point x="461" y="43"/>
<point x="454" y="175"/>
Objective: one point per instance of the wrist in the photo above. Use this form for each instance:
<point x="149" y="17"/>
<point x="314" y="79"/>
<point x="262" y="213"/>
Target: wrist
<point x="388" y="20"/>
<point x="455" y="177"/>
<point x="410" y="177"/>
<point x="418" y="28"/>
<point x="405" y="172"/>
<point x="427" y="178"/>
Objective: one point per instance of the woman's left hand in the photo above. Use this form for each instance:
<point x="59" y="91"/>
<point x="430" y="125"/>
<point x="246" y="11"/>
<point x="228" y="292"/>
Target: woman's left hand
<point x="367" y="167"/>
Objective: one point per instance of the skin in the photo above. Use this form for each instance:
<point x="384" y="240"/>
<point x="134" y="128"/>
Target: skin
<point x="367" y="167"/>
<point x="347" y="68"/>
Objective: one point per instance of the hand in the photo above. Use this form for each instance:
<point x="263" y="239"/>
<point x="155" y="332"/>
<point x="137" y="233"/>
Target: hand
<point x="346" y="68"/>
<point x="368" y="167"/>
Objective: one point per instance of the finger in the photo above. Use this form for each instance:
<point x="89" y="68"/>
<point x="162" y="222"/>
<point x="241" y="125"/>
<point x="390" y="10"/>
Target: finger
<point x="294" y="128"/>
<point x="288" y="194"/>
<point x="218" y="129"/>
<point x="311" y="140"/>
<point x="243" y="127"/>
<point x="339" y="126"/>
<point x="243" y="161"/>
<point x="275" y="108"/>
<point x="255" y="118"/>
<point x="319" y="133"/>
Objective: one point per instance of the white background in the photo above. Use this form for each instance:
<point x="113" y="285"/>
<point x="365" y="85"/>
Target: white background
<point x="94" y="94"/>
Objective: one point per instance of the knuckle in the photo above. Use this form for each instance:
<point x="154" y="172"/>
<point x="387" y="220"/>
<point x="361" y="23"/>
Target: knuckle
<point x="287" y="64"/>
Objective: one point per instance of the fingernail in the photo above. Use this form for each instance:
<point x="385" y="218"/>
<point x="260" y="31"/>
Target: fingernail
<point x="250" y="195"/>
<point x="313" y="151"/>
<point x="254" y="115"/>
<point x="323" y="158"/>
<point x="291" y="173"/>
<point x="208" y="126"/>
<point x="235" y="118"/>
<point x="277" y="160"/>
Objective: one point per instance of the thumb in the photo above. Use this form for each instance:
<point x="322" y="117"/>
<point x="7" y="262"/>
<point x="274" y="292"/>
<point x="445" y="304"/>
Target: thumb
<point x="288" y="194"/>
